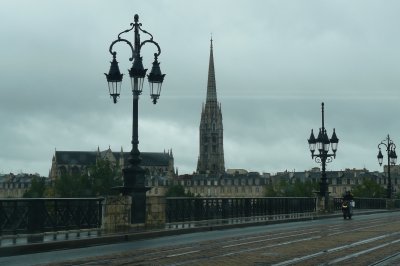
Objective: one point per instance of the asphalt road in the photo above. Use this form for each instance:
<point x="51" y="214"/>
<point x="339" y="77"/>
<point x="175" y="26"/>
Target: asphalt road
<point x="365" y="240"/>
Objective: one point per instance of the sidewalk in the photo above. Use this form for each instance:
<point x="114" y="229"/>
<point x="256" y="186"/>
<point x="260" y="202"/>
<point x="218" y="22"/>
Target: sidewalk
<point x="133" y="236"/>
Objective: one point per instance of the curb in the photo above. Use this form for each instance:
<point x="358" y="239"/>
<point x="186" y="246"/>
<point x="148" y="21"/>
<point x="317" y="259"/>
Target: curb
<point x="113" y="239"/>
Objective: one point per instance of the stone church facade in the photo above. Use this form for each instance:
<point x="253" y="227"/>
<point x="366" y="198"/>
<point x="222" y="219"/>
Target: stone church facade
<point x="211" y="152"/>
<point x="79" y="162"/>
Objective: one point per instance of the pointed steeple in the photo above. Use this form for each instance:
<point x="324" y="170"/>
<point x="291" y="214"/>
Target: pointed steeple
<point x="211" y="152"/>
<point x="211" y="85"/>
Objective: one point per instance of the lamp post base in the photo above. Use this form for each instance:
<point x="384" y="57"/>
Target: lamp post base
<point x="138" y="207"/>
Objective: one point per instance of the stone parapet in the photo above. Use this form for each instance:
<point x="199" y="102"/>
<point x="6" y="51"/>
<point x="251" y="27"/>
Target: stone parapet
<point x="116" y="214"/>
<point x="155" y="212"/>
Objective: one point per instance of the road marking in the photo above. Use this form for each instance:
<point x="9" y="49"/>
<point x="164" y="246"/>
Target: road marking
<point x="181" y="254"/>
<point x="324" y="252"/>
<point x="362" y="252"/>
<point x="269" y="239"/>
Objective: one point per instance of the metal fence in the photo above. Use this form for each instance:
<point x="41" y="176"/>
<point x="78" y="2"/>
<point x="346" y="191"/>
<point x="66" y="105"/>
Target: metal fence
<point x="364" y="203"/>
<point x="198" y="209"/>
<point x="29" y="216"/>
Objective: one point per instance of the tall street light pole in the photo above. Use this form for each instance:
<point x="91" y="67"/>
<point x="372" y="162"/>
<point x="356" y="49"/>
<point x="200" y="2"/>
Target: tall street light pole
<point x="133" y="173"/>
<point x="322" y="143"/>
<point x="392" y="159"/>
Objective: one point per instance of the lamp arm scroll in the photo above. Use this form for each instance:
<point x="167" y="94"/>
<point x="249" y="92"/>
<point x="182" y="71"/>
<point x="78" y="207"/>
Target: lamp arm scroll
<point x="153" y="42"/>
<point x="329" y="159"/>
<point x="122" y="40"/>
<point x="128" y="30"/>
<point x="382" y="143"/>
<point x="144" y="31"/>
<point x="149" y="41"/>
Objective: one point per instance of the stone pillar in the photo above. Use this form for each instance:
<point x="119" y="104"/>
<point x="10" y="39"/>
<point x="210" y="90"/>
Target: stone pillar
<point x="321" y="208"/>
<point x="117" y="214"/>
<point x="320" y="204"/>
<point x="155" y="212"/>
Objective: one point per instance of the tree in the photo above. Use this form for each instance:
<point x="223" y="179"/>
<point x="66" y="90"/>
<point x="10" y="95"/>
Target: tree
<point x="104" y="176"/>
<point x="177" y="191"/>
<point x="72" y="186"/>
<point x="37" y="188"/>
<point x="295" y="188"/>
<point x="270" y="191"/>
<point x="98" y="181"/>
<point x="369" y="189"/>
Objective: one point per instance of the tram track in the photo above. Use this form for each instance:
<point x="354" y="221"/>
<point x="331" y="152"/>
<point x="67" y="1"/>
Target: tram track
<point x="310" y="244"/>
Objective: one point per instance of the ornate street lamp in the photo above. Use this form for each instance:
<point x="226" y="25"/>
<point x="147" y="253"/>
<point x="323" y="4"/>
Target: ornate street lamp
<point x="392" y="160"/>
<point x="322" y="144"/>
<point x="133" y="173"/>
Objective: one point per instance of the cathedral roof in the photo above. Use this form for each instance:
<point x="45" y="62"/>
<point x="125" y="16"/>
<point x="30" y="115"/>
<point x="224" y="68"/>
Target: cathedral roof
<point x="150" y="158"/>
<point x="76" y="157"/>
<point x="89" y="158"/>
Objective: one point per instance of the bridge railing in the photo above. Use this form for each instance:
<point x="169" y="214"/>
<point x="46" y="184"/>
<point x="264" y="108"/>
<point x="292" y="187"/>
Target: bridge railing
<point x="364" y="203"/>
<point x="31" y="216"/>
<point x="200" y="209"/>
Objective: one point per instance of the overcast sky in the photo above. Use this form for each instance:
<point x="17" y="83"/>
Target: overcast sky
<point x="275" y="62"/>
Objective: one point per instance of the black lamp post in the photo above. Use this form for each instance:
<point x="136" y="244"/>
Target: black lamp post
<point x="392" y="159"/>
<point x="133" y="173"/>
<point x="322" y="143"/>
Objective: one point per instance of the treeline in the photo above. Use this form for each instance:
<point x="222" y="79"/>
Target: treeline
<point x="98" y="181"/>
<point x="284" y="188"/>
<point x="369" y="188"/>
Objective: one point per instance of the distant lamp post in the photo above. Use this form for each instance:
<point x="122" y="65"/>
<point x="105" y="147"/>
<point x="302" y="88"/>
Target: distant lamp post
<point x="321" y="144"/>
<point x="392" y="160"/>
<point x="133" y="173"/>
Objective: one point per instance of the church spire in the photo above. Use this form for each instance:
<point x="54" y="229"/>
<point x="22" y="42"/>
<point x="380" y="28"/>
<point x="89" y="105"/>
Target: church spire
<point x="211" y="85"/>
<point x="211" y="152"/>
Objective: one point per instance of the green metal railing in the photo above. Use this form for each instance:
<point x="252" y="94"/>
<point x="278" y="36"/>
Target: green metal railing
<point x="198" y="209"/>
<point x="364" y="203"/>
<point x="30" y="216"/>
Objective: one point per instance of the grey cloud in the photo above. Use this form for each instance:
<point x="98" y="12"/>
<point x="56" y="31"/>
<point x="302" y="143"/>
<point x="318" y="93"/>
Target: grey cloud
<point x="276" y="61"/>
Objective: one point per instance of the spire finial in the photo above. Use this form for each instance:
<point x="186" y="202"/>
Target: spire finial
<point x="211" y="86"/>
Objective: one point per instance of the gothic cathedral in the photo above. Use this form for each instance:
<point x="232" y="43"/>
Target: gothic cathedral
<point x="211" y="158"/>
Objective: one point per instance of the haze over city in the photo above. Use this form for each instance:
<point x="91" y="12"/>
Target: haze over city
<point x="275" y="62"/>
